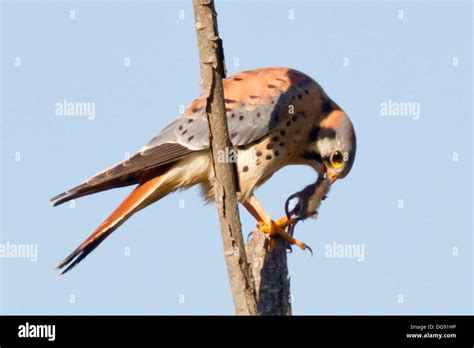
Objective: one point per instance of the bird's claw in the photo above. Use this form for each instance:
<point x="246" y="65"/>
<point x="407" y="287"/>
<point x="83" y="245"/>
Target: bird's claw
<point x="306" y="247"/>
<point x="303" y="246"/>
<point x="274" y="226"/>
<point x="277" y="227"/>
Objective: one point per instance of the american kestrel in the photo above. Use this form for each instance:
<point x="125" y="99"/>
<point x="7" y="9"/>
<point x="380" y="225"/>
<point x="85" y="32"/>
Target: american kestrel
<point x="276" y="117"/>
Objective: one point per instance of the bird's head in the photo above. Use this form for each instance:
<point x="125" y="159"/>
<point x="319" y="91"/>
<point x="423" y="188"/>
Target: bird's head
<point x="333" y="145"/>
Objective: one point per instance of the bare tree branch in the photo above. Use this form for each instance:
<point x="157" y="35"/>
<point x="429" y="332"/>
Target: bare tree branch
<point x="270" y="268"/>
<point x="269" y="293"/>
<point x="224" y="183"/>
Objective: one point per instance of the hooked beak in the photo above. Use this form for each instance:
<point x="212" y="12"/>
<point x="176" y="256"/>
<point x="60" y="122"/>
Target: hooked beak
<point x="330" y="174"/>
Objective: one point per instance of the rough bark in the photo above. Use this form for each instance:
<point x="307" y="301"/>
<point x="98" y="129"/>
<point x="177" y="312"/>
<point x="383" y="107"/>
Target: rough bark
<point x="270" y="269"/>
<point x="225" y="183"/>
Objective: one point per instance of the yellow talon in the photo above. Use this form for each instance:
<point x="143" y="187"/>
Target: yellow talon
<point x="277" y="227"/>
<point x="269" y="229"/>
<point x="284" y="222"/>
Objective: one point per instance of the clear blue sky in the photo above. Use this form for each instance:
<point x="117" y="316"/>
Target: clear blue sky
<point x="419" y="255"/>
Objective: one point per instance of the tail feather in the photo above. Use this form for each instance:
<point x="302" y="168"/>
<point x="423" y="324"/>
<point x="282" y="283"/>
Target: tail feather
<point x="86" y="189"/>
<point x="102" y="184"/>
<point x="143" y="195"/>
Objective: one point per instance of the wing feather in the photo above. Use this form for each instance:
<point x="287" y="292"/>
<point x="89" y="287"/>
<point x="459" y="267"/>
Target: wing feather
<point x="135" y="170"/>
<point x="256" y="102"/>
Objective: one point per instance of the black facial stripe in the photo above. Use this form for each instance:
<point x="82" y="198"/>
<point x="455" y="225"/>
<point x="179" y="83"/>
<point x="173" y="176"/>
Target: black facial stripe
<point x="312" y="155"/>
<point x="320" y="133"/>
<point x="326" y="107"/>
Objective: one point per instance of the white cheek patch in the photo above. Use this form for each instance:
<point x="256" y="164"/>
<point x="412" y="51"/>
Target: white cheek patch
<point x="326" y="146"/>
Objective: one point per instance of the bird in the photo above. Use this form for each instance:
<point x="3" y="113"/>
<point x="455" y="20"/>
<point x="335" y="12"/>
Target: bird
<point x="276" y="116"/>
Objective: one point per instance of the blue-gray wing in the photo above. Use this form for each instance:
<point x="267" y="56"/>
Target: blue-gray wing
<point x="256" y="102"/>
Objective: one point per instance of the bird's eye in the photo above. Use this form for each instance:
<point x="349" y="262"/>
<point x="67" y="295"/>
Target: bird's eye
<point x="337" y="159"/>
